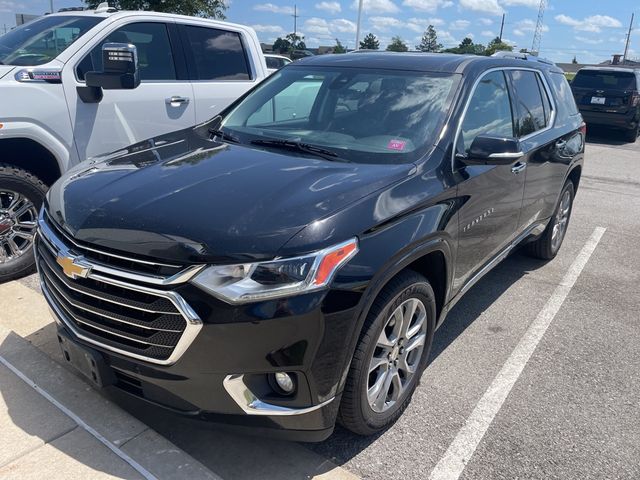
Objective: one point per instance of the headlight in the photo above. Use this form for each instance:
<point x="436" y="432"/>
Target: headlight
<point x="276" y="278"/>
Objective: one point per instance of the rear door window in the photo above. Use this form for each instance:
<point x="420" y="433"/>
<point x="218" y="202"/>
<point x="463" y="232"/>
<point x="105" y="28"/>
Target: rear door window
<point x="603" y="80"/>
<point x="216" y="54"/>
<point x="530" y="113"/>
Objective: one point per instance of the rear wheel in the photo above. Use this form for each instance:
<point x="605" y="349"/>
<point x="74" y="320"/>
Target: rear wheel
<point x="547" y="246"/>
<point x="632" y="135"/>
<point x="21" y="195"/>
<point x="391" y="355"/>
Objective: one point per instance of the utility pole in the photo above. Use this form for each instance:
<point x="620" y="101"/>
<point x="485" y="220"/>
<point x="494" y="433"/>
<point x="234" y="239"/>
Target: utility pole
<point x="502" y="27"/>
<point x="358" y="27"/>
<point x="626" y="46"/>
<point x="51" y="5"/>
<point x="295" y="20"/>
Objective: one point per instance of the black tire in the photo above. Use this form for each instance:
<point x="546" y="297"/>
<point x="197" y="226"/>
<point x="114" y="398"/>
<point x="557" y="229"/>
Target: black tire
<point x="356" y="414"/>
<point x="544" y="247"/>
<point x="18" y="180"/>
<point x="632" y="135"/>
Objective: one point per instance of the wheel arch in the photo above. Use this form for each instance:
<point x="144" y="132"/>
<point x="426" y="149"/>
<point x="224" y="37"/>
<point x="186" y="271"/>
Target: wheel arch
<point x="21" y="151"/>
<point x="574" y="175"/>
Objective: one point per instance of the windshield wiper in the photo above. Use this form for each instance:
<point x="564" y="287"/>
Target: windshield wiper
<point x="224" y="135"/>
<point x="300" y="147"/>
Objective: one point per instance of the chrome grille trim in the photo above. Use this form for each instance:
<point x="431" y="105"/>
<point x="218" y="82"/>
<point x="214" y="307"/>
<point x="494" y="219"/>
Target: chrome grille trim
<point x="49" y="246"/>
<point x="56" y="244"/>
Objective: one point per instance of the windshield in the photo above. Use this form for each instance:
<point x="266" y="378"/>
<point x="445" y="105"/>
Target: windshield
<point x="601" y="79"/>
<point x="42" y="40"/>
<point x="361" y="115"/>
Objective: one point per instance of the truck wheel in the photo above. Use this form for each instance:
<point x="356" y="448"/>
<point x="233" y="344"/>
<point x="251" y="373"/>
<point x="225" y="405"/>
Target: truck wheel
<point x="632" y="135"/>
<point x="546" y="247"/>
<point x="21" y="196"/>
<point x="390" y="356"/>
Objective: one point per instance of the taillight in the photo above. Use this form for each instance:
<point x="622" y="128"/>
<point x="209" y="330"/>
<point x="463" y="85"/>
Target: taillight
<point x="635" y="99"/>
<point x="583" y="129"/>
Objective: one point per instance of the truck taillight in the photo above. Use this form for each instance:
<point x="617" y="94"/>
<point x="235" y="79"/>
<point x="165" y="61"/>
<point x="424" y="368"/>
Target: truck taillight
<point x="583" y="129"/>
<point x="635" y="99"/>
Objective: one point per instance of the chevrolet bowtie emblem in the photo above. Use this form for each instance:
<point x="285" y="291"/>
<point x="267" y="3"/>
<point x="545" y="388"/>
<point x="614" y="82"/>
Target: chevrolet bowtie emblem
<point x="72" y="267"/>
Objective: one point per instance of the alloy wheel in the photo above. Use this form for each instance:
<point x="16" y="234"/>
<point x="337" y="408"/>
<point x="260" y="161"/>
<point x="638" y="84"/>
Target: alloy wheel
<point x="18" y="223"/>
<point x="397" y="354"/>
<point x="561" y="221"/>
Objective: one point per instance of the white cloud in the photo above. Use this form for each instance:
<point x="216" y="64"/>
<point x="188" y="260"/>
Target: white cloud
<point x="521" y="3"/>
<point x="590" y="41"/>
<point x="526" y="26"/>
<point x="329" y="29"/>
<point x="430" y="6"/>
<point x="268" y="28"/>
<point x="485" y="21"/>
<point x="459" y="24"/>
<point x="270" y="7"/>
<point x="317" y="26"/>
<point x="343" y="25"/>
<point x="376" y="6"/>
<point x="488" y="33"/>
<point x="593" y="23"/>
<point x="487" y="6"/>
<point x="330" y="7"/>
<point x="384" y="24"/>
<point x="8" y="6"/>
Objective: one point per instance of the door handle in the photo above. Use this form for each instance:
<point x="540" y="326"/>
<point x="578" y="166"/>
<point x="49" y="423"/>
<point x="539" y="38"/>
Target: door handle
<point x="176" y="101"/>
<point x="560" y="144"/>
<point x="518" y="168"/>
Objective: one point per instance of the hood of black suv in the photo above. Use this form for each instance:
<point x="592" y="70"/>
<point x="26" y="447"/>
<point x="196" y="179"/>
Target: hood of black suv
<point x="184" y="198"/>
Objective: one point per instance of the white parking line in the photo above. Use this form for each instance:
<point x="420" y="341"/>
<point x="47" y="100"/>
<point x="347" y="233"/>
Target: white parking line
<point x="459" y="453"/>
<point x="139" y="468"/>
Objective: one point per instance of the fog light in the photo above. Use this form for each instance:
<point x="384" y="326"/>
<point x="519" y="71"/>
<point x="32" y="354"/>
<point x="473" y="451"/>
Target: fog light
<point x="285" y="382"/>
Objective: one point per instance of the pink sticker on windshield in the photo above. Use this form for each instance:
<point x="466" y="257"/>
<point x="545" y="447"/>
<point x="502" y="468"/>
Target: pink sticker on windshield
<point x="396" y="145"/>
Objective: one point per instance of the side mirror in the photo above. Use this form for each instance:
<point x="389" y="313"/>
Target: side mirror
<point x="489" y="150"/>
<point x="120" y="68"/>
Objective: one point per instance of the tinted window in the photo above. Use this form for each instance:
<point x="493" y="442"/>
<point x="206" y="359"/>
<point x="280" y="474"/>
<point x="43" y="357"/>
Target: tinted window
<point x="273" y="62"/>
<point x="155" y="59"/>
<point x="217" y="54"/>
<point x="42" y="40"/>
<point x="545" y="101"/>
<point x="530" y="109"/>
<point x="602" y="80"/>
<point x="363" y="115"/>
<point x="565" y="102"/>
<point x="489" y="111"/>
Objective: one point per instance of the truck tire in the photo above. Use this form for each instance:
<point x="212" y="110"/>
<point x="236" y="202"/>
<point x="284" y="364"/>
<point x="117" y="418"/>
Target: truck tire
<point x="632" y="135"/>
<point x="391" y="354"/>
<point x="547" y="246"/>
<point x="21" y="196"/>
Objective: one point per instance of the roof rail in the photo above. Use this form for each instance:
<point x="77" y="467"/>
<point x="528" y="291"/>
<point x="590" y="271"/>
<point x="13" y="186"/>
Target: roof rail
<point x="71" y="9"/>
<point x="523" y="56"/>
<point x="105" y="8"/>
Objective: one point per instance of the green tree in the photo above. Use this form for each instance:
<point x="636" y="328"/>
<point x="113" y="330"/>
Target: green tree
<point x="370" y="42"/>
<point x="429" y="42"/>
<point x="282" y="45"/>
<point x="339" y="48"/>
<point x="194" y="8"/>
<point x="497" y="45"/>
<point x="467" y="47"/>
<point x="397" y="45"/>
<point x="296" y="41"/>
<point x="289" y="43"/>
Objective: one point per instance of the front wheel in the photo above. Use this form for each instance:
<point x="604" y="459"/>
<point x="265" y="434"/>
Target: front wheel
<point x="390" y="356"/>
<point x="21" y="195"/>
<point x="547" y="246"/>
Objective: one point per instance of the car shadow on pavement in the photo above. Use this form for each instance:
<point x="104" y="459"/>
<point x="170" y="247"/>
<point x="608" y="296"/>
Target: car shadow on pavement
<point x="344" y="445"/>
<point x="602" y="135"/>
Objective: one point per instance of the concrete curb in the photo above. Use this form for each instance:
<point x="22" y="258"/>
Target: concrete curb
<point x="134" y="439"/>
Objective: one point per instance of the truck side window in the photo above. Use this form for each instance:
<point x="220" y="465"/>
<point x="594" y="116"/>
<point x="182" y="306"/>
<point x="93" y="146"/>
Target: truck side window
<point x="489" y="111"/>
<point x="155" y="58"/>
<point x="217" y="54"/>
<point x="530" y="115"/>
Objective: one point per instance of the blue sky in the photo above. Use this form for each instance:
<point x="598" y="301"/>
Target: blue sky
<point x="591" y="30"/>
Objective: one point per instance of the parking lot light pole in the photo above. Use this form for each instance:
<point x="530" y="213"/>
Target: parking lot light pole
<point x="358" y="26"/>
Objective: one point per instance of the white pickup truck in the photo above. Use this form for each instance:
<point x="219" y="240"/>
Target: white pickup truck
<point x="186" y="71"/>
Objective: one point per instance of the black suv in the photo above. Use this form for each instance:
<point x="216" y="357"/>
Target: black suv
<point x="609" y="96"/>
<point x="288" y="262"/>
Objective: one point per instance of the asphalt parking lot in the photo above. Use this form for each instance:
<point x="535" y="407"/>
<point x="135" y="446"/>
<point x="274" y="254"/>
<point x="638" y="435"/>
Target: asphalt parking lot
<point x="573" y="410"/>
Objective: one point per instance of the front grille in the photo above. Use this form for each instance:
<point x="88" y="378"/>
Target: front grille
<point x="111" y="312"/>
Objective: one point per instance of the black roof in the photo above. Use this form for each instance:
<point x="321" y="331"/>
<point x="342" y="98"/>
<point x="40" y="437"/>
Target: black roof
<point x="421" y="62"/>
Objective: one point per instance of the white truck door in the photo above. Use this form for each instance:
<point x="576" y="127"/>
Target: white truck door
<point x="162" y="103"/>
<point x="222" y="65"/>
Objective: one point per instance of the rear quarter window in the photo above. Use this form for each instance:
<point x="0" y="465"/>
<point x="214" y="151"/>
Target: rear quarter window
<point x="565" y="103"/>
